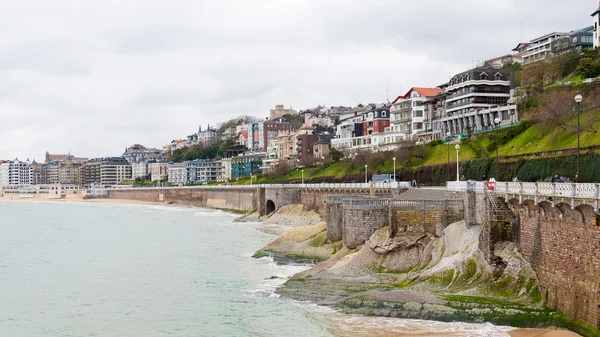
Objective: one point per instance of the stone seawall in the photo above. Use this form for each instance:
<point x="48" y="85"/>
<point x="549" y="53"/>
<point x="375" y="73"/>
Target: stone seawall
<point x="563" y="247"/>
<point x="235" y="199"/>
<point x="356" y="219"/>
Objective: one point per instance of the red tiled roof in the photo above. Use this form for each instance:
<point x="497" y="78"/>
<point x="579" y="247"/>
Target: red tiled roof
<point x="427" y="92"/>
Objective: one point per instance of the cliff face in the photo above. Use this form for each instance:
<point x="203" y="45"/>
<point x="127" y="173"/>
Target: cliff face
<point x="419" y="275"/>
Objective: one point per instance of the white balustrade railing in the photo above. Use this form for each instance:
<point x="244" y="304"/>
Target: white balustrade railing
<point x="378" y="185"/>
<point x="542" y="189"/>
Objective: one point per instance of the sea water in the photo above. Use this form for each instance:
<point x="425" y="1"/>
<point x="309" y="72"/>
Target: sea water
<point x="97" y="269"/>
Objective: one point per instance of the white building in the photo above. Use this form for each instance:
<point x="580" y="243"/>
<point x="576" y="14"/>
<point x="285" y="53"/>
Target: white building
<point x="139" y="169"/>
<point x="271" y="159"/>
<point x="226" y="169"/>
<point x="541" y="48"/>
<point x="16" y="172"/>
<point x="408" y="113"/>
<point x="596" y="23"/>
<point x="177" y="174"/>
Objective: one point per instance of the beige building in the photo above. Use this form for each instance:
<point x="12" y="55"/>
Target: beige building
<point x="321" y="149"/>
<point x="279" y="111"/>
<point x="286" y="147"/>
<point x="69" y="172"/>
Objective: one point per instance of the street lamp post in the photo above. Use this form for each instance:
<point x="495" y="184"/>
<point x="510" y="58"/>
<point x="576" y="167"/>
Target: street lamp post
<point x="448" y="139"/>
<point x="578" y="100"/>
<point x="497" y="122"/>
<point x="457" y="167"/>
<point x="394" y="159"/>
<point x="366" y="173"/>
<point x="302" y="176"/>
<point x="323" y="173"/>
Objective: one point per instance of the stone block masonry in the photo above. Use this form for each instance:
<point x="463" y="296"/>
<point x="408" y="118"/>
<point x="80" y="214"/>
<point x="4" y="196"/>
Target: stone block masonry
<point x="563" y="247"/>
<point x="242" y="199"/>
<point x="361" y="217"/>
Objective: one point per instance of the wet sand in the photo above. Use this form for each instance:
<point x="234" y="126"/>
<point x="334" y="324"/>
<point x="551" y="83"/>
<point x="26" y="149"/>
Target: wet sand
<point x="542" y="333"/>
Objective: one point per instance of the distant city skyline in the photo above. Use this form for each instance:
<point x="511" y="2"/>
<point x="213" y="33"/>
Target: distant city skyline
<point x="93" y="79"/>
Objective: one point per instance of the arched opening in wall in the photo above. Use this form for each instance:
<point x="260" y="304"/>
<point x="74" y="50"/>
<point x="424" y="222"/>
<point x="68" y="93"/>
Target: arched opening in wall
<point x="269" y="207"/>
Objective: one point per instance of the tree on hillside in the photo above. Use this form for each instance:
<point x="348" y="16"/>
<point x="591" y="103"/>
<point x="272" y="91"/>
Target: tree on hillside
<point x="296" y="120"/>
<point x="469" y="130"/>
<point x="236" y="121"/>
<point x="336" y="155"/>
<point x="589" y="68"/>
<point x="540" y="73"/>
<point x="556" y="109"/>
<point x="591" y="106"/>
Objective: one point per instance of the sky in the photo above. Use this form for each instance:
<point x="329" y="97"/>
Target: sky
<point x="93" y="77"/>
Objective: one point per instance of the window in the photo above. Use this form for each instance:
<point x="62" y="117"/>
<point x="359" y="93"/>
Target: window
<point x="467" y="77"/>
<point x="498" y="77"/>
<point x="483" y="76"/>
<point x="462" y="79"/>
<point x="383" y="113"/>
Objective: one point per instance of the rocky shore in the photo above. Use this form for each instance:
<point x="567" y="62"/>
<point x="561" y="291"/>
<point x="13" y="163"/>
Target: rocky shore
<point x="416" y="275"/>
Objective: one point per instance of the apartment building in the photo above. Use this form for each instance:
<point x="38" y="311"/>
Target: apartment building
<point x="247" y="165"/>
<point x="408" y="113"/>
<point x="474" y="99"/>
<point x="139" y="169"/>
<point x="16" y="172"/>
<point x="286" y="147"/>
<point x="177" y="174"/>
<point x="202" y="171"/>
<point x="106" y="171"/>
<point x="365" y="131"/>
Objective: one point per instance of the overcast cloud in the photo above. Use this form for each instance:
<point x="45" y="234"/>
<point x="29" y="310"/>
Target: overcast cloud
<point x="94" y="77"/>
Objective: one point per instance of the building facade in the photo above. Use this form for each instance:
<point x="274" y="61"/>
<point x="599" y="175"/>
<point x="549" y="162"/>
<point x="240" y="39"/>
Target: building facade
<point x="139" y="169"/>
<point x="474" y="99"/>
<point x="280" y="111"/>
<point x="106" y="171"/>
<point x="158" y="171"/>
<point x="208" y="137"/>
<point x="177" y="174"/>
<point x="595" y="24"/>
<point x="16" y="172"/>
<point x="540" y="48"/>
<point x="408" y="113"/>
<point x="138" y="152"/>
<point x="247" y="165"/>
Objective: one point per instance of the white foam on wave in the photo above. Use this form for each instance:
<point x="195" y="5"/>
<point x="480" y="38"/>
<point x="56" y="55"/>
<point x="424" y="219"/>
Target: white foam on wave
<point x="375" y="326"/>
<point x="279" y="275"/>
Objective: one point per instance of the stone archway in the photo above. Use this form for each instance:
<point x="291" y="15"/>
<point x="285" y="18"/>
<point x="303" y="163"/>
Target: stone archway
<point x="269" y="207"/>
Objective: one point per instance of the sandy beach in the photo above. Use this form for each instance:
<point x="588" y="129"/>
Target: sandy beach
<point x="120" y="201"/>
<point x="541" y="333"/>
